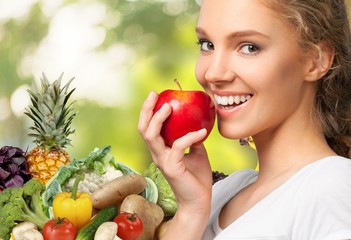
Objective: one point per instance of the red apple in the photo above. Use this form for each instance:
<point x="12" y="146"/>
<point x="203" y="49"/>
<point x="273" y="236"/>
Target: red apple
<point x="191" y="111"/>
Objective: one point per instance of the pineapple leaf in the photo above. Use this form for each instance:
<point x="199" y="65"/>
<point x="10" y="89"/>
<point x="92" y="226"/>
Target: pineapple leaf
<point x="44" y="82"/>
<point x="68" y="96"/>
<point x="35" y="113"/>
<point x="45" y="109"/>
<point x="51" y="115"/>
<point x="65" y="113"/>
<point x="36" y="121"/>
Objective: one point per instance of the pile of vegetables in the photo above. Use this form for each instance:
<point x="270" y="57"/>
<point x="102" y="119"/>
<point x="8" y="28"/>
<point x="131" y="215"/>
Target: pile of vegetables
<point x="95" y="197"/>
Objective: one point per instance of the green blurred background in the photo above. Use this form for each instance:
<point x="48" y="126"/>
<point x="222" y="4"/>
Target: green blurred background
<point x="118" y="51"/>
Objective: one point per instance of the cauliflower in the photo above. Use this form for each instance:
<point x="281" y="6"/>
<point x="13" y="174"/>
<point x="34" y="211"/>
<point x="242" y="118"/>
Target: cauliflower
<point x="93" y="180"/>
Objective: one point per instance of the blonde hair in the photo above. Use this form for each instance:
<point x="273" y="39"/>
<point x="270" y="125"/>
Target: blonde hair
<point x="326" y="20"/>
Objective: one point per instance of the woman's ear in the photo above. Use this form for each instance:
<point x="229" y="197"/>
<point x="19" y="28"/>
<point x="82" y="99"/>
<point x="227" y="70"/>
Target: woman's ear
<point x="321" y="59"/>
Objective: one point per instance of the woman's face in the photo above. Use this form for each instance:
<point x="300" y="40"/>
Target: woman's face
<point x="251" y="64"/>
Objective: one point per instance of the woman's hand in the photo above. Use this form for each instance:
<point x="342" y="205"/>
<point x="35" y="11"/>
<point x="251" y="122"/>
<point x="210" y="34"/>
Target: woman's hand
<point x="189" y="175"/>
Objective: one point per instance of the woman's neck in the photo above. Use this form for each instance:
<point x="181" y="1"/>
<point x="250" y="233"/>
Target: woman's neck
<point x="284" y="152"/>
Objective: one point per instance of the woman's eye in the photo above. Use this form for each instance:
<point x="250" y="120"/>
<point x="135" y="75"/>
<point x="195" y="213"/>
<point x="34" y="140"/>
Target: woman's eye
<point x="249" y="49"/>
<point x="205" y="45"/>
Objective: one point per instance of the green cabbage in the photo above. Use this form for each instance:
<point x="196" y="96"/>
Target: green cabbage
<point x="166" y="199"/>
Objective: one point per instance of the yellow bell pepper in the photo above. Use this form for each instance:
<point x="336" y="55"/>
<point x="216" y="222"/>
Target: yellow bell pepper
<point x="76" y="207"/>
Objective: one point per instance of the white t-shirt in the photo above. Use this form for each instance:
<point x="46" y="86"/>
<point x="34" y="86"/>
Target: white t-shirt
<point x="314" y="204"/>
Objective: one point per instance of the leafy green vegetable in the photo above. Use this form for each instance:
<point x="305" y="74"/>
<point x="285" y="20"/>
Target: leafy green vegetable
<point x="166" y="199"/>
<point x="98" y="159"/>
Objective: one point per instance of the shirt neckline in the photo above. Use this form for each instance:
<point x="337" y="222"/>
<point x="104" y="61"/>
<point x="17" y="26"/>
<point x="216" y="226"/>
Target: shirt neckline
<point x="274" y="192"/>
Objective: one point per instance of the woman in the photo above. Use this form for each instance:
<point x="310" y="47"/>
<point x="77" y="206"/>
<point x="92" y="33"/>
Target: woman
<point x="279" y="71"/>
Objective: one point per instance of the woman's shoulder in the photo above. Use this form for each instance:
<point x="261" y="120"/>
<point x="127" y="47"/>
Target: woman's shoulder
<point x="328" y="177"/>
<point x="323" y="193"/>
<point x="331" y="166"/>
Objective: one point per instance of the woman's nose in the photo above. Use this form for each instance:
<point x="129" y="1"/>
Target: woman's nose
<point x="220" y="69"/>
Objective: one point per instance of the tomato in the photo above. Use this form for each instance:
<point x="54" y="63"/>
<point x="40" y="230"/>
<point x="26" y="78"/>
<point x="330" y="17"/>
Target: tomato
<point x="59" y="229"/>
<point x="130" y="226"/>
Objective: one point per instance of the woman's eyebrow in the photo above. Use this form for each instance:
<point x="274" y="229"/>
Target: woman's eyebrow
<point x="243" y="33"/>
<point x="247" y="33"/>
<point x="200" y="31"/>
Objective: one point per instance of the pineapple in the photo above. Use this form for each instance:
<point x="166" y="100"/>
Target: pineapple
<point x="52" y="119"/>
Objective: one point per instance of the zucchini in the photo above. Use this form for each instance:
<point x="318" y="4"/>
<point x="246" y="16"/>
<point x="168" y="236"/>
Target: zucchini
<point x="104" y="215"/>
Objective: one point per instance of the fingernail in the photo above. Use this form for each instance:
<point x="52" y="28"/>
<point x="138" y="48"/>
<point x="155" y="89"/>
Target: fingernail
<point x="165" y="106"/>
<point x="202" y="131"/>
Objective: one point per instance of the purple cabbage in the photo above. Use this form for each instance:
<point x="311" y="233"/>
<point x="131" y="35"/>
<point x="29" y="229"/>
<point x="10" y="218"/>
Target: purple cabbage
<point x="13" y="172"/>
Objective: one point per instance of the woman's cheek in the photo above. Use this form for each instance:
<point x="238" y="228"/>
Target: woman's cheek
<point x="200" y="73"/>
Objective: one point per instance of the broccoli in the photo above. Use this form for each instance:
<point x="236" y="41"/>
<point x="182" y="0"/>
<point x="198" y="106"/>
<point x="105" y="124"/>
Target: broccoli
<point x="19" y="204"/>
<point x="32" y="194"/>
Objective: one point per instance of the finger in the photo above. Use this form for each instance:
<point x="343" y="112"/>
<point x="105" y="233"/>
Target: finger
<point x="181" y="144"/>
<point x="147" y="111"/>
<point x="152" y="135"/>
<point x="190" y="138"/>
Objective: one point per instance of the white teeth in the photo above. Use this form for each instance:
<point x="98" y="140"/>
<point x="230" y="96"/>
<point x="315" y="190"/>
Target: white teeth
<point x="230" y="100"/>
<point x="237" y="99"/>
<point x="225" y="100"/>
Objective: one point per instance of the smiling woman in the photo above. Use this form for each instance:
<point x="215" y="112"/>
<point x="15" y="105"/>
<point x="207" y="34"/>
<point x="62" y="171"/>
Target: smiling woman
<point x="277" y="71"/>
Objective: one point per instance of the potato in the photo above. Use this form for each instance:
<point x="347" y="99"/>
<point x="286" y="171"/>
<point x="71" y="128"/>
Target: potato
<point x="150" y="213"/>
<point x="114" y="192"/>
<point x="162" y="229"/>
